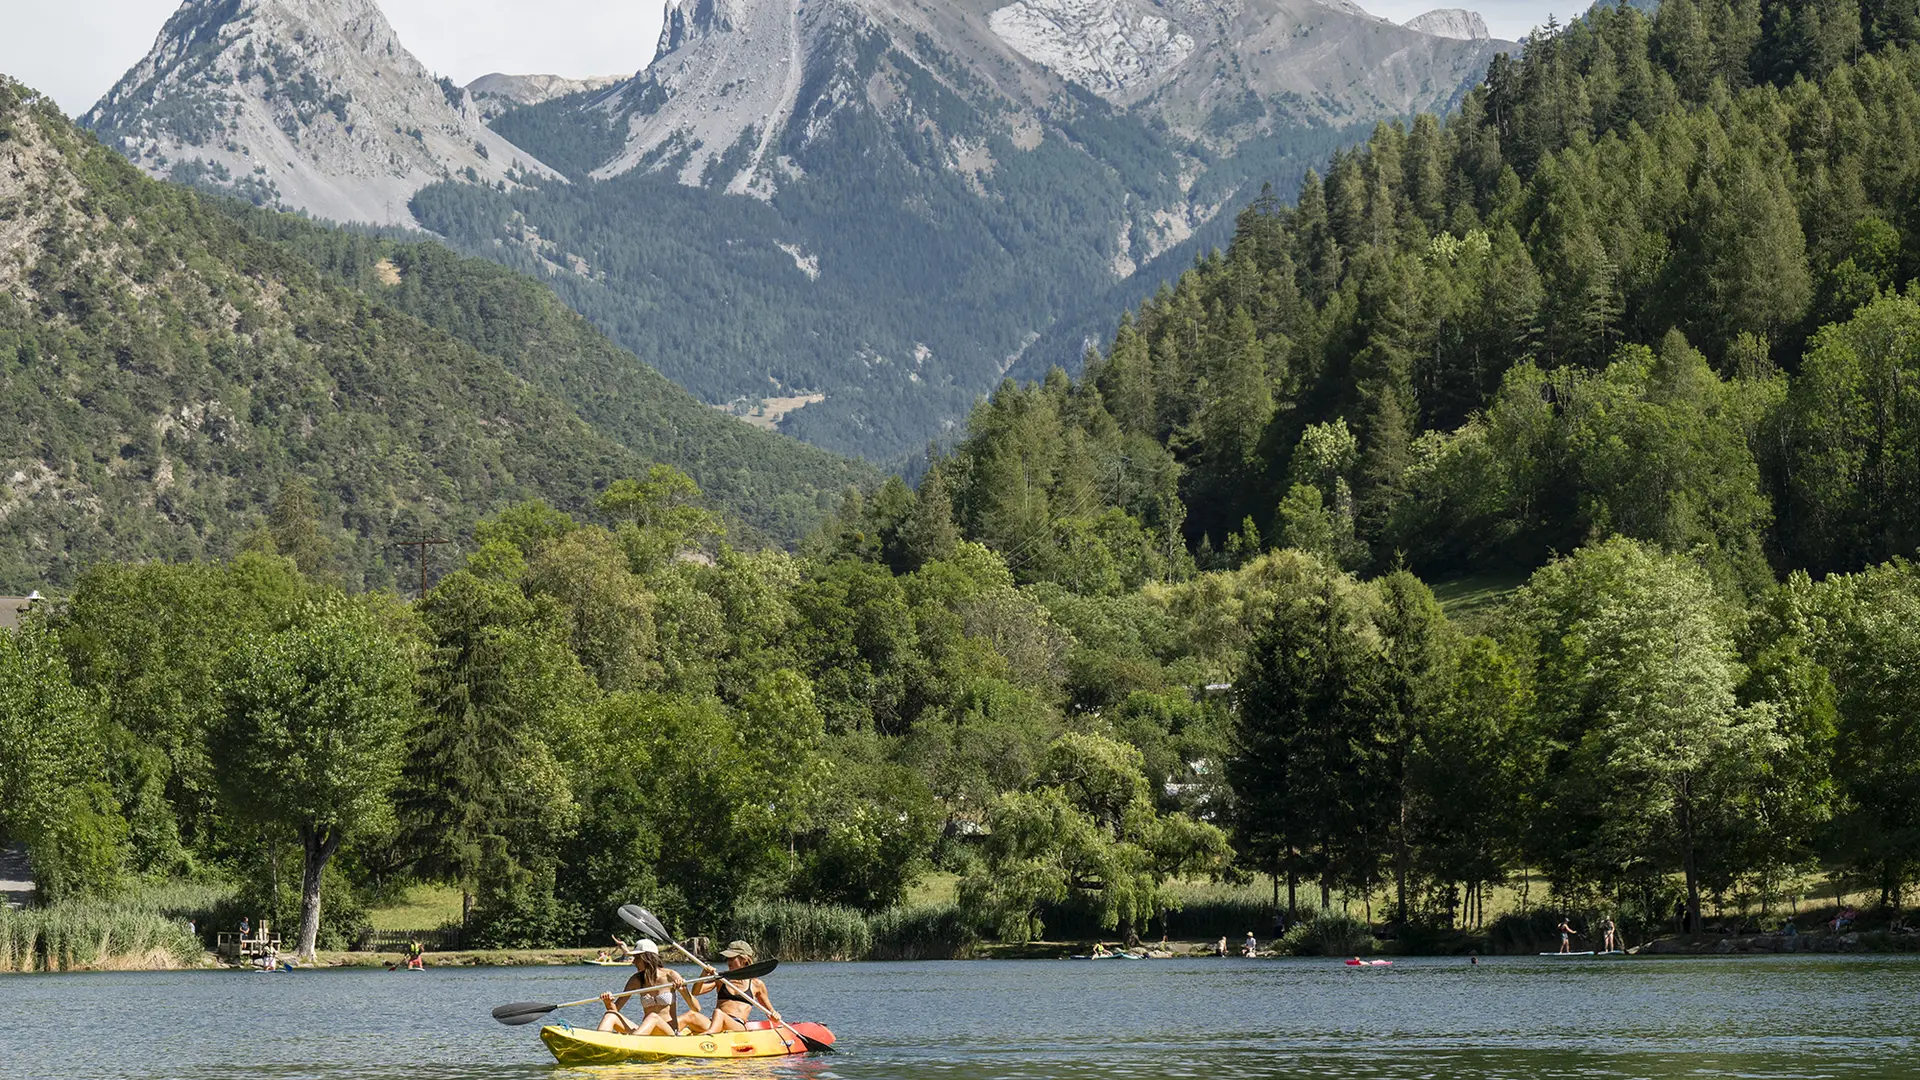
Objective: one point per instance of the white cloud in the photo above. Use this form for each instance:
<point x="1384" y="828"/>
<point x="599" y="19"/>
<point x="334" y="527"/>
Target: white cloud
<point x="75" y="50"/>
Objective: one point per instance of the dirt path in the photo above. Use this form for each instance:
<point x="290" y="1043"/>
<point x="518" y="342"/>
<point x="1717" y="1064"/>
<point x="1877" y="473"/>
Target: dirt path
<point x="16" y="878"/>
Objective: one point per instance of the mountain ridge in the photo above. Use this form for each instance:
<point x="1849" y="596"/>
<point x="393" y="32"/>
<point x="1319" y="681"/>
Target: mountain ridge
<point x="309" y="105"/>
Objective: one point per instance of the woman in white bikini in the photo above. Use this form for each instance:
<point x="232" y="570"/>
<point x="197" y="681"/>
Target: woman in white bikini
<point x="660" y="1016"/>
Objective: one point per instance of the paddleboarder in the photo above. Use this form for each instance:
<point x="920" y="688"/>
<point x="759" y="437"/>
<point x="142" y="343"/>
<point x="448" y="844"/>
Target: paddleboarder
<point x="661" y="1014"/>
<point x="734" y="1001"/>
<point x="1606" y="933"/>
<point x="1566" y="935"/>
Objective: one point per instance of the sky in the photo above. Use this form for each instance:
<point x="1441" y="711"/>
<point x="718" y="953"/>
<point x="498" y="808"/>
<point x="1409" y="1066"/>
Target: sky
<point x="75" y="50"/>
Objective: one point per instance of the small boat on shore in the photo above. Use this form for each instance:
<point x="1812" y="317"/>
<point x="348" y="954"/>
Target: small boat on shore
<point x="585" y="1046"/>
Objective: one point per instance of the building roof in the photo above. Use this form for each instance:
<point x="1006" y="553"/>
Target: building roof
<point x="13" y="607"/>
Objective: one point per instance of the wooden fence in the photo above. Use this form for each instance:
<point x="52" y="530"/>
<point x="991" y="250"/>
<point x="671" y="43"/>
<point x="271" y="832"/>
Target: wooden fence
<point x="396" y="940"/>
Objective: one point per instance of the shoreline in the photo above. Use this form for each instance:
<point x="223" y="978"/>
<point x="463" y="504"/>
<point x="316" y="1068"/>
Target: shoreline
<point x="1853" y="943"/>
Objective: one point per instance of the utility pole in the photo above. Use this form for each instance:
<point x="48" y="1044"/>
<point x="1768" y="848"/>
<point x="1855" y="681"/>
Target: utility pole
<point x="423" y="543"/>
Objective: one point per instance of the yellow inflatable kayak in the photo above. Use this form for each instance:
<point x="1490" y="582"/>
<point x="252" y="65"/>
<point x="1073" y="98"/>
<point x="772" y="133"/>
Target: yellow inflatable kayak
<point x="584" y="1046"/>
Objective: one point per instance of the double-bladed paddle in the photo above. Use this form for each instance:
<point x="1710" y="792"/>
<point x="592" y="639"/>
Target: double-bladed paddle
<point x="525" y="1012"/>
<point x="644" y="921"/>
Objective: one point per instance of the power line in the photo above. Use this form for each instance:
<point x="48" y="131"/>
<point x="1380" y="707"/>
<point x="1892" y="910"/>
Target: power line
<point x="423" y="543"/>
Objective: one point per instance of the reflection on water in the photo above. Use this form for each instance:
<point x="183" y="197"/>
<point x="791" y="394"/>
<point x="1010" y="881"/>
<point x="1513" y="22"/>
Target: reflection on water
<point x="1763" y="1017"/>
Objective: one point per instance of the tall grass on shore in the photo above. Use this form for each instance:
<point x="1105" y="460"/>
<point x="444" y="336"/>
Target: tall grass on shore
<point x="921" y="932"/>
<point x="65" y="937"/>
<point x="796" y="931"/>
<point x="144" y="926"/>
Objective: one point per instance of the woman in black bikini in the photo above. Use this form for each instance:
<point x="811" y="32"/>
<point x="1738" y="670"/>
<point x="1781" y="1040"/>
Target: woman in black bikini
<point x="734" y="1001"/>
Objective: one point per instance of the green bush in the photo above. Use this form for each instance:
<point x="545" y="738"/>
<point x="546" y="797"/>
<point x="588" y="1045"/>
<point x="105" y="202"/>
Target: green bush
<point x="1329" y="933"/>
<point x="525" y="916"/>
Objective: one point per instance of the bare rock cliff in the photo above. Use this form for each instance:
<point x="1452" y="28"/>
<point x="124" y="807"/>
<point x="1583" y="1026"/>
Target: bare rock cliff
<point x="309" y="105"/>
<point x="1457" y="23"/>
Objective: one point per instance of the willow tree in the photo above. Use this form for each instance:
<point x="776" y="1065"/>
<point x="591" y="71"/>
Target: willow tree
<point x="1087" y="827"/>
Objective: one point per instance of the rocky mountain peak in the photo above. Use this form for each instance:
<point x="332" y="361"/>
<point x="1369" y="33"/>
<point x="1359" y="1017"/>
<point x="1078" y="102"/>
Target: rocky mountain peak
<point x="685" y="21"/>
<point x="734" y="79"/>
<point x="495" y="93"/>
<point x="1456" y="23"/>
<point x="310" y="105"/>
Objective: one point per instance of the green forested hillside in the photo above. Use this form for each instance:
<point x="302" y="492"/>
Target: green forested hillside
<point x="779" y="487"/>
<point x="168" y="374"/>
<point x="1589" y="303"/>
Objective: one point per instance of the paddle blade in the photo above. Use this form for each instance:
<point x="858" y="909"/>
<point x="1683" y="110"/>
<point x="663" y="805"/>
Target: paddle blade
<point x="522" y="1012"/>
<point x="759" y="969"/>
<point x="644" y="921"/>
<point x="818" y="1039"/>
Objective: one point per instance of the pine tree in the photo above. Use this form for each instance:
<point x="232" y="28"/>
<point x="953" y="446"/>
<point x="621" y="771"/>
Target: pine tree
<point x="1680" y="39"/>
<point x="294" y="524"/>
<point x="930" y="534"/>
<point x="1305" y="762"/>
<point x="1746" y="253"/>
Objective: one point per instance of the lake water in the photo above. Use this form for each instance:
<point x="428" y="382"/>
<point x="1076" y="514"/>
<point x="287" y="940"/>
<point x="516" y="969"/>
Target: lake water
<point x="1772" y="1017"/>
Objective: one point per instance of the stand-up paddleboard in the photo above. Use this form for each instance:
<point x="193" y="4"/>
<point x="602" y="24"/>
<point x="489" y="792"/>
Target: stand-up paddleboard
<point x="1368" y="963"/>
<point x="1589" y="952"/>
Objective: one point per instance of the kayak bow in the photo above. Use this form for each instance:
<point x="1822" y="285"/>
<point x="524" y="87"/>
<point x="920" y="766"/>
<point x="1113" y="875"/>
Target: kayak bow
<point x="584" y="1046"/>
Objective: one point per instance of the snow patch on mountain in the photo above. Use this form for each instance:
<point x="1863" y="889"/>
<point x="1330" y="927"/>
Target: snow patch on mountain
<point x="1108" y="46"/>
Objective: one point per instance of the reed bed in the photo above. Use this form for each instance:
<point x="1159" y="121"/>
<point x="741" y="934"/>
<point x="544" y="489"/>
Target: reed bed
<point x="796" y="931"/>
<point x="1194" y="911"/>
<point x="67" y="937"/>
<point x="921" y="932"/>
